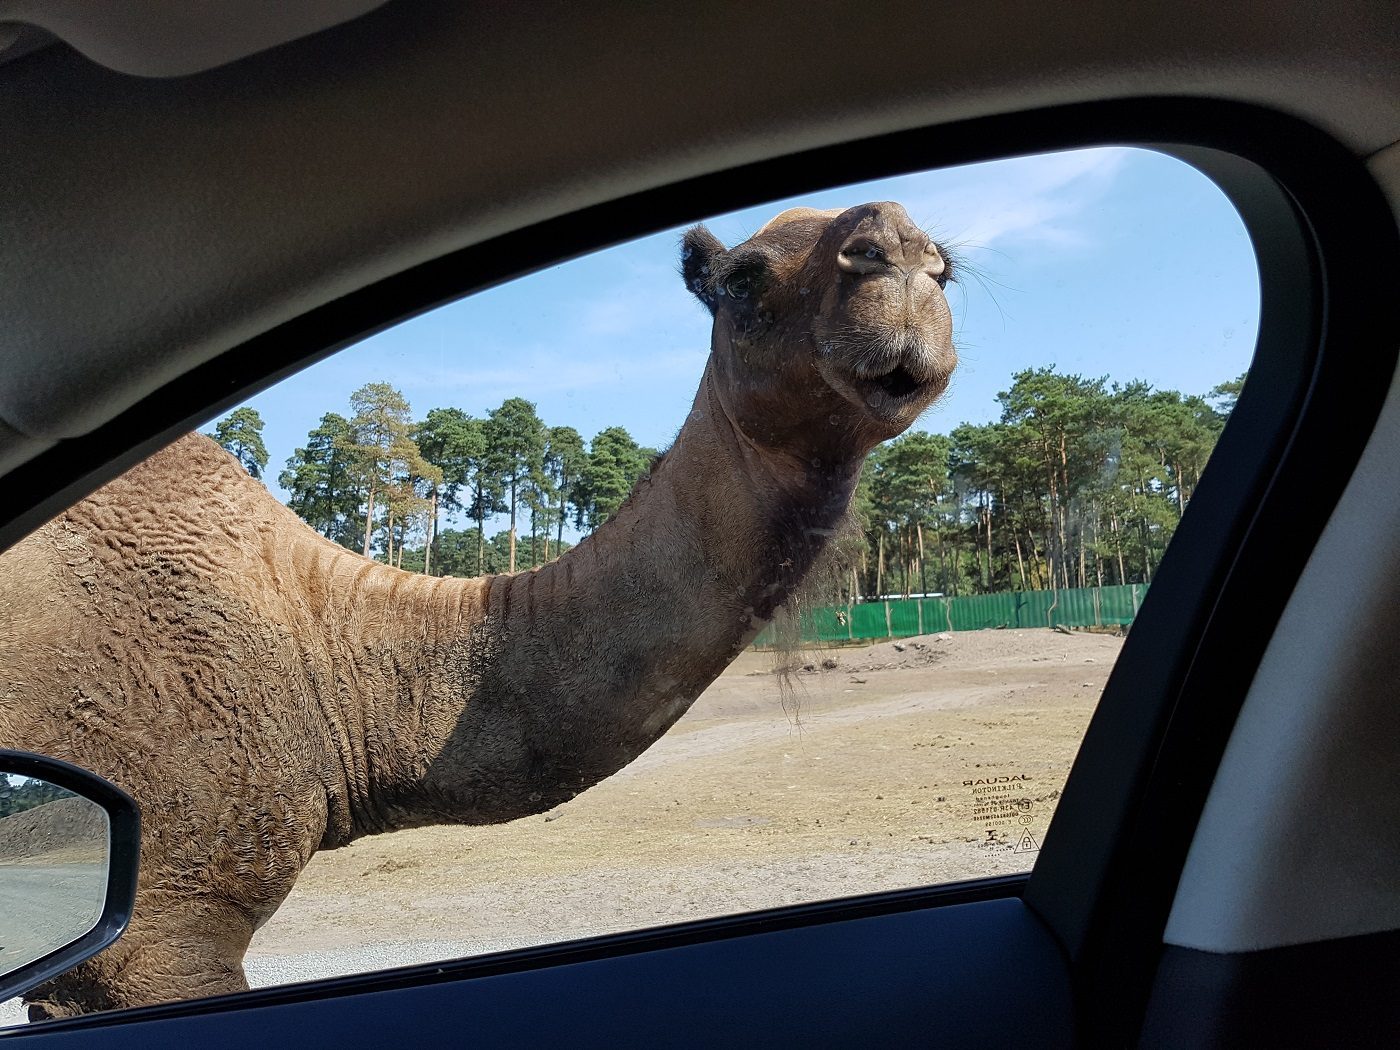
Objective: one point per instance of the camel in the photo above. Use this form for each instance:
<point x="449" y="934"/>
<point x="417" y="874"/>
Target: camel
<point x="264" y="693"/>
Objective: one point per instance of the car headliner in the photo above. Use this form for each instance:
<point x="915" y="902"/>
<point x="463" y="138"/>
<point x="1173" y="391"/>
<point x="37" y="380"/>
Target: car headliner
<point x="151" y="224"/>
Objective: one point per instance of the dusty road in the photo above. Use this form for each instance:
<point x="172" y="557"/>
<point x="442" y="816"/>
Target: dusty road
<point x="43" y="906"/>
<point x="937" y="761"/>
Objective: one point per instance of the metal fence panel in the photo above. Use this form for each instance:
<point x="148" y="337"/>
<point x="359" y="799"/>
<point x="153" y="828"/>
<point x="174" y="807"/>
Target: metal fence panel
<point x="1066" y="607"/>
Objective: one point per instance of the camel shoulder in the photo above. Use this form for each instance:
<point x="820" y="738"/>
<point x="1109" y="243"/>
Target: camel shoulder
<point x="196" y="475"/>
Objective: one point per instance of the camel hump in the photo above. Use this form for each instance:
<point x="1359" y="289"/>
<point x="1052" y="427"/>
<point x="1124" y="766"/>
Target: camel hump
<point x="194" y="455"/>
<point x="797" y="215"/>
<point x="193" y="472"/>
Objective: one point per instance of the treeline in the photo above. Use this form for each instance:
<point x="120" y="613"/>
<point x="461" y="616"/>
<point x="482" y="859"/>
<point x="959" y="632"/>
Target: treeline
<point x="377" y="481"/>
<point x="1079" y="483"/>
<point x="19" y="793"/>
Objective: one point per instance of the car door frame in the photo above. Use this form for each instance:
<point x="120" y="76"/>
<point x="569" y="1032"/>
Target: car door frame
<point x="1093" y="910"/>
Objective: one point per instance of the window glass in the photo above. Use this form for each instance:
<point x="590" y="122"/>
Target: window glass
<point x="911" y="717"/>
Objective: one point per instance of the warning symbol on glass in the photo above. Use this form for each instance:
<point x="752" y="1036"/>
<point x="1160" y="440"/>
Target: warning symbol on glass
<point x="1027" y="844"/>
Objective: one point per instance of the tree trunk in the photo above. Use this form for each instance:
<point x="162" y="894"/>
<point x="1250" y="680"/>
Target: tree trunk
<point x="1098" y="554"/>
<point x="512" y="526"/>
<point x="987" y="583"/>
<point x="1066" y="564"/>
<point x="432" y="534"/>
<point x="942" y="563"/>
<point x="534" y="533"/>
<point x="880" y="570"/>
<point x="923" y="579"/>
<point x="1064" y="509"/>
<point x="1118" y="547"/>
<point x="559" y="535"/>
<point x="369" y="517"/>
<point x="1041" y="568"/>
<point x="904" y="563"/>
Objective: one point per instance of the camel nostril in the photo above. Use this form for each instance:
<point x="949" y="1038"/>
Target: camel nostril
<point x="862" y="255"/>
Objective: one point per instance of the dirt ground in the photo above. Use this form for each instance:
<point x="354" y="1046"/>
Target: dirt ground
<point x="932" y="759"/>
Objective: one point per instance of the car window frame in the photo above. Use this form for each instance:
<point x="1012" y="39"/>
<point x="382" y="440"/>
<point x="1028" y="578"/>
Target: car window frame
<point x="1326" y="248"/>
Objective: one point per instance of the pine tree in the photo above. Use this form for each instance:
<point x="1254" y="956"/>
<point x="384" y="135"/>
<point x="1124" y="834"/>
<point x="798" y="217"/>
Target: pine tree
<point x="614" y="464"/>
<point x="514" y="438"/>
<point x="453" y="442"/>
<point x="320" y="482"/>
<point x="240" y="432"/>
<point x="388" y="462"/>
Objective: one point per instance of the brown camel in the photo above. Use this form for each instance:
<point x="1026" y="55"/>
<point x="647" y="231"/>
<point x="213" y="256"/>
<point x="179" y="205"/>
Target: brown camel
<point x="264" y="693"/>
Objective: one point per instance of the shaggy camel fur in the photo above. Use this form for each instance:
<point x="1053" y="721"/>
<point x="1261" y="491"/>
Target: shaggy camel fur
<point x="264" y="693"/>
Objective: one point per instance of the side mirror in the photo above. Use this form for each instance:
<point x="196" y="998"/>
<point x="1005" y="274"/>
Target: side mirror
<point x="69" y="844"/>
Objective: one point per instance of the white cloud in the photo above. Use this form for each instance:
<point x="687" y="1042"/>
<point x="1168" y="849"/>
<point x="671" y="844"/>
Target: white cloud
<point x="1034" y="200"/>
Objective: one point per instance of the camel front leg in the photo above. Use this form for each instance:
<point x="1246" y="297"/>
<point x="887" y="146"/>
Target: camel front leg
<point x="191" y="951"/>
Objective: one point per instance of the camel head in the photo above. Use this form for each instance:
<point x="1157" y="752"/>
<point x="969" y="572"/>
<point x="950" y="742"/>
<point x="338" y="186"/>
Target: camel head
<point x="831" y="330"/>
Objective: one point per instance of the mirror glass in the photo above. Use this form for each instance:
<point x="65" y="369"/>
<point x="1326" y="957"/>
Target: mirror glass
<point x="54" y="855"/>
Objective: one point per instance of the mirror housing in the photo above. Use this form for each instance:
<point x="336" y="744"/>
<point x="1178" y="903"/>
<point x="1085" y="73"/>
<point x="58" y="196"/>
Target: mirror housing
<point x="123" y="852"/>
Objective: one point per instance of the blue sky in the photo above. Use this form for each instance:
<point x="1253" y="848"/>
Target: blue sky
<point x="1117" y="262"/>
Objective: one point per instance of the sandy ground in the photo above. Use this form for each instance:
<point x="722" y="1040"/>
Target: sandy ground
<point x="932" y="759"/>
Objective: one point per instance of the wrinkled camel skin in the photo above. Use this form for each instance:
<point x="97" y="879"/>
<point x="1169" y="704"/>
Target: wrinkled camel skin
<point x="264" y="693"/>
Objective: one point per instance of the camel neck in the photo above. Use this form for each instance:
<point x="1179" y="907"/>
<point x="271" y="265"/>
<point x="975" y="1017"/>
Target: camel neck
<point x="556" y="678"/>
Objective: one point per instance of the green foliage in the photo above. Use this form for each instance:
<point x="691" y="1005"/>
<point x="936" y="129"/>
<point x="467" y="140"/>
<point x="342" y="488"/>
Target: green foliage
<point x="1226" y="394"/>
<point x="240" y="432"/>
<point x="499" y="553"/>
<point x="457" y="553"/>
<point x="19" y="793"/>
<point x="396" y="478"/>
<point x="455" y="444"/>
<point x="614" y="464"/>
<point x="565" y="458"/>
<point x="1079" y="483"/>
<point x="322" y="485"/>
<point x="515" y="439"/>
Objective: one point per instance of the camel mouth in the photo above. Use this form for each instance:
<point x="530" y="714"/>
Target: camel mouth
<point x="893" y="391"/>
<point x="889" y="375"/>
<point x="898" y="382"/>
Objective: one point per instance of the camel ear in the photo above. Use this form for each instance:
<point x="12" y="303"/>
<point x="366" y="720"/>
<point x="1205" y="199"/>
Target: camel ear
<point x="700" y="251"/>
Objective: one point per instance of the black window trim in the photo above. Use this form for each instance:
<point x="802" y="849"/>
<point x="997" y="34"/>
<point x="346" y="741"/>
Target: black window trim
<point x="1329" y="261"/>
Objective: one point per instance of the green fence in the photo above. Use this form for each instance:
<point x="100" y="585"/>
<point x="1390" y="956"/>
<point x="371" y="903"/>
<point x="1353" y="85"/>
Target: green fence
<point x="1078" y="607"/>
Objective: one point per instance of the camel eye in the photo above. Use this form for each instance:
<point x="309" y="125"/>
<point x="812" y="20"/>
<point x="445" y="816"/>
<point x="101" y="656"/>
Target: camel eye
<point x="737" y="287"/>
<point x="873" y="253"/>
